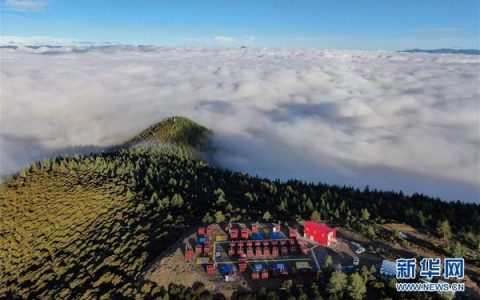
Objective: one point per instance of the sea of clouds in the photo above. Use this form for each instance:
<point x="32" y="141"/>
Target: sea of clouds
<point x="394" y="121"/>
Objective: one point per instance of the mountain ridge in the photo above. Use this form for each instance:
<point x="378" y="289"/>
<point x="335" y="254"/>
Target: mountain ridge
<point x="444" y="51"/>
<point x="84" y="226"/>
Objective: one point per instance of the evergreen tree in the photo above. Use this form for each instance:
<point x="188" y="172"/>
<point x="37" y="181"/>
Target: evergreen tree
<point x="177" y="201"/>
<point x="282" y="207"/>
<point x="315" y="216"/>
<point x="445" y="230"/>
<point x="154" y="199"/>
<point x="328" y="262"/>
<point x="309" y="205"/>
<point x="207" y="219"/>
<point x="371" y="231"/>
<point x="219" y="217"/>
<point x="356" y="287"/>
<point x="421" y="218"/>
<point x="267" y="216"/>
<point x="337" y="284"/>
<point x="458" y="250"/>
<point x="365" y="214"/>
<point x="373" y="270"/>
<point x="220" y="197"/>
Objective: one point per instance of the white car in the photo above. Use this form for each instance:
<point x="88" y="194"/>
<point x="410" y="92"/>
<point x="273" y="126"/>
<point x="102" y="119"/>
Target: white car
<point x="356" y="244"/>
<point x="360" y="250"/>
<point x="356" y="261"/>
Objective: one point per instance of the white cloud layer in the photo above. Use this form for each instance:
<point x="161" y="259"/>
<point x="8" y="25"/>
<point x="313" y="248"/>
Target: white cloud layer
<point x="395" y="121"/>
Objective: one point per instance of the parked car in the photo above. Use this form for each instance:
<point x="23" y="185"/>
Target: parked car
<point x="356" y="244"/>
<point x="360" y="250"/>
<point x="356" y="261"/>
<point x="402" y="236"/>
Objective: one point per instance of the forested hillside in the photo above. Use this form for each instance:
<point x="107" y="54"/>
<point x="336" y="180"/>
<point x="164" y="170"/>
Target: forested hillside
<point x="85" y="226"/>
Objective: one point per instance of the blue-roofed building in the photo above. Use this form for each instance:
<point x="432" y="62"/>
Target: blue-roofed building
<point x="202" y="240"/>
<point x="226" y="269"/>
<point x="257" y="236"/>
<point x="258" y="267"/>
<point x="276" y="236"/>
<point x="281" y="266"/>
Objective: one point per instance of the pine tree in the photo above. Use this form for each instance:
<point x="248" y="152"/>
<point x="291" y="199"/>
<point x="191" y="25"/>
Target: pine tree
<point x="458" y="250"/>
<point x="282" y="207"/>
<point x="373" y="270"/>
<point x="207" y="219"/>
<point x="371" y="231"/>
<point x="219" y="217"/>
<point x="365" y="214"/>
<point x="445" y="230"/>
<point x="153" y="199"/>
<point x="315" y="216"/>
<point x="356" y="288"/>
<point x="328" y="262"/>
<point x="309" y="205"/>
<point x="220" y="197"/>
<point x="177" y="201"/>
<point x="337" y="284"/>
<point x="267" y="216"/>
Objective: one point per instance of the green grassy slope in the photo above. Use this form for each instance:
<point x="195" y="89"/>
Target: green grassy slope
<point x="84" y="227"/>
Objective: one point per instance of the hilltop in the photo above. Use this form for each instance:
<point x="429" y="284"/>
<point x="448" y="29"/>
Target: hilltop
<point x="177" y="131"/>
<point x="176" y="136"/>
<point x="84" y="227"/>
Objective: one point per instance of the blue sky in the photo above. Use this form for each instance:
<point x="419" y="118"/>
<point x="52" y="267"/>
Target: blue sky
<point x="349" y="24"/>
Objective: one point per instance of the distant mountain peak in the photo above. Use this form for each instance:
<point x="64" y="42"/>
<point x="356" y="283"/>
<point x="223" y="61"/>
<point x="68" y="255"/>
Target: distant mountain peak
<point x="444" y="51"/>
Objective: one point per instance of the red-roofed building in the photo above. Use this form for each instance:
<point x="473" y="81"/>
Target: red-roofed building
<point x="320" y="233"/>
